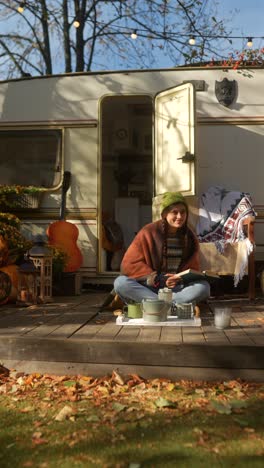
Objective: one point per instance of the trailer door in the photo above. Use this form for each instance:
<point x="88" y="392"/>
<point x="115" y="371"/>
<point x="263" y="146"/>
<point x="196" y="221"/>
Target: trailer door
<point x="175" y="140"/>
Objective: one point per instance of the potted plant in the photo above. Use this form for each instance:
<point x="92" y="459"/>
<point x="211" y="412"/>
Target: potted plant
<point x="14" y="244"/>
<point x="20" y="197"/>
<point x="13" y="247"/>
<point x="59" y="261"/>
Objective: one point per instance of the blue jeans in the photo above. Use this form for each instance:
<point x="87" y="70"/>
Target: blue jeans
<point x="131" y="290"/>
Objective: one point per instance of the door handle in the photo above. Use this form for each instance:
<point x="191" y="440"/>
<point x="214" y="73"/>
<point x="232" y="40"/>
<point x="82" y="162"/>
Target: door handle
<point x="188" y="157"/>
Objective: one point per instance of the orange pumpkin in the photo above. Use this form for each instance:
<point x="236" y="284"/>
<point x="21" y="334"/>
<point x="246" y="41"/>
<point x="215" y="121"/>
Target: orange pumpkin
<point x="12" y="272"/>
<point x="3" y="251"/>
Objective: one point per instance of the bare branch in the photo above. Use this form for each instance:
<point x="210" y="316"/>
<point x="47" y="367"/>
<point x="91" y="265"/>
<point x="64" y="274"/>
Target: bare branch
<point x="45" y="35"/>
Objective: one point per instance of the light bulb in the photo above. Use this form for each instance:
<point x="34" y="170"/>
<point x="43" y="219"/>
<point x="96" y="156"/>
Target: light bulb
<point x="133" y="35"/>
<point x="192" y="40"/>
<point x="21" y="7"/>
<point x="250" y="42"/>
<point x="76" y="23"/>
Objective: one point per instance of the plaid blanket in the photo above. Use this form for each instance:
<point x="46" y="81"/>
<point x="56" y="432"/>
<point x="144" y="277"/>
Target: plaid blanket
<point x="221" y="214"/>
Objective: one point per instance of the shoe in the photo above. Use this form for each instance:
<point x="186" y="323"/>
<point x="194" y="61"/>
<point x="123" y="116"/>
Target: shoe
<point x="118" y="312"/>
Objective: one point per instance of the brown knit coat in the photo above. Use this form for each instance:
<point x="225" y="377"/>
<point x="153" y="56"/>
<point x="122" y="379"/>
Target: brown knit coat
<point x="144" y="255"/>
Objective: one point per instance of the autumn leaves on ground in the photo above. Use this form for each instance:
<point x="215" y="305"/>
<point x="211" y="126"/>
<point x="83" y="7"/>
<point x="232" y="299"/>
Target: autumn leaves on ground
<point x="126" y="421"/>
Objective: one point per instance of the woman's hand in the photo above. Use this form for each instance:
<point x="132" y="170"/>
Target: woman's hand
<point x="172" y="280"/>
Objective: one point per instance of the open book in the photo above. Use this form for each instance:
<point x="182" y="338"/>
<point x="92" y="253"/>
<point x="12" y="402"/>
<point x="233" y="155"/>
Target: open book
<point x="193" y="275"/>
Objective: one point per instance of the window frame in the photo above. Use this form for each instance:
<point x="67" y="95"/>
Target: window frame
<point x="59" y="153"/>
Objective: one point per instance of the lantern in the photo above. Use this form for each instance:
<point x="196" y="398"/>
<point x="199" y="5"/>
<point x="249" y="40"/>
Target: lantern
<point x="41" y="255"/>
<point x="27" y="283"/>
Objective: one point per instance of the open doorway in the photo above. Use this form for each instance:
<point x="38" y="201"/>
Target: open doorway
<point x="126" y="175"/>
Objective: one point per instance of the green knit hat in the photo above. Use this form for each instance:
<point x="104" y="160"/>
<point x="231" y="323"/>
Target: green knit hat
<point x="171" y="198"/>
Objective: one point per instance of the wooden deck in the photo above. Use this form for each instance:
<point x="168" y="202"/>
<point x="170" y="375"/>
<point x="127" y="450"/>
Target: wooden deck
<point x="70" y="336"/>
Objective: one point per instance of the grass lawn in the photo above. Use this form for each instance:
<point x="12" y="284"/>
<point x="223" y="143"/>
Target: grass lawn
<point x="126" y="421"/>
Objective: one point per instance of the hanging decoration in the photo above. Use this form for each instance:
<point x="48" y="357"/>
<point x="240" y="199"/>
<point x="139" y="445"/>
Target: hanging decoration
<point x="226" y="91"/>
<point x="21" y="7"/>
<point x="143" y="32"/>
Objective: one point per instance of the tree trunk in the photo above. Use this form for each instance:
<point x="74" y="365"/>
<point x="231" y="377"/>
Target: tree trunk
<point x="45" y="28"/>
<point x="80" y="8"/>
<point x="66" y="37"/>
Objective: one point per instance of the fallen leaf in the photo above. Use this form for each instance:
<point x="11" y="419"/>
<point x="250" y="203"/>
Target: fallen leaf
<point x="20" y="381"/>
<point x="118" y="407"/>
<point x="85" y="381"/>
<point x="170" y="387"/>
<point x="238" y="404"/>
<point x="4" y="371"/>
<point x="104" y="391"/>
<point x="3" y="388"/>
<point x="233" y="384"/>
<point x="221" y="408"/>
<point x="215" y="450"/>
<point x="64" y="413"/>
<point x="19" y="374"/>
<point x="249" y="429"/>
<point x="164" y="403"/>
<point x="197" y="430"/>
<point x="10" y="445"/>
<point x="201" y="442"/>
<point x="136" y="378"/>
<point x="93" y="418"/>
<point x="131" y="408"/>
<point x="241" y="422"/>
<point x="40" y="441"/>
<point x="38" y="423"/>
<point x="116" y="377"/>
<point x="69" y="383"/>
<point x="27" y="409"/>
<point x="14" y="388"/>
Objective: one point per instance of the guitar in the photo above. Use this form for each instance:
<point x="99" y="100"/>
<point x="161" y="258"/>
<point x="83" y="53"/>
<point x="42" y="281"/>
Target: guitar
<point x="64" y="234"/>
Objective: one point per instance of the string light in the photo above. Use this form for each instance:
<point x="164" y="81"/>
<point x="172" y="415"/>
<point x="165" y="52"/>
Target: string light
<point x="170" y="35"/>
<point x="21" y="7"/>
<point x="250" y="42"/>
<point x="134" y="35"/>
<point x="76" y="23"/>
<point x="192" y="40"/>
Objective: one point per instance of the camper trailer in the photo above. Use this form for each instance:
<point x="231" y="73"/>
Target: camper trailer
<point x="127" y="137"/>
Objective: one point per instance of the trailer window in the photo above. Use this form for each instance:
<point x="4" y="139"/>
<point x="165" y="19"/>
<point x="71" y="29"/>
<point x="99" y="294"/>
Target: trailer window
<point x="30" y="157"/>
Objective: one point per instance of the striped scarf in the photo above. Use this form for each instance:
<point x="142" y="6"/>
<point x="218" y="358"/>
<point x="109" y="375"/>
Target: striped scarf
<point x="174" y="253"/>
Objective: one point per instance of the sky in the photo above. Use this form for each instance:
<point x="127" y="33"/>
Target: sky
<point x="248" y="18"/>
<point x="242" y="17"/>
